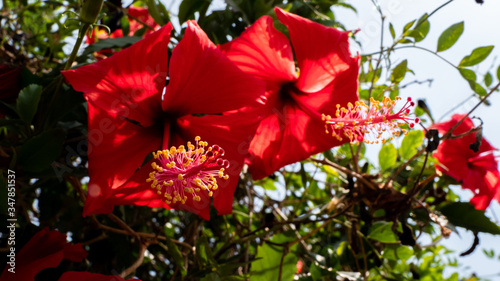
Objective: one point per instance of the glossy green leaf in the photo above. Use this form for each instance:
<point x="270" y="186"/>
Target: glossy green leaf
<point x="450" y="36"/>
<point x="188" y="8"/>
<point x="40" y="151"/>
<point x="387" y="156"/>
<point x="391" y="29"/>
<point x="109" y="43"/>
<point x="399" y="72"/>
<point x="410" y="144"/>
<point x="408" y="25"/>
<point x="477" y="56"/>
<point x="27" y="102"/>
<point x="204" y="252"/>
<point x="423" y="27"/>
<point x="269" y="256"/>
<point x="267" y="184"/>
<point x="382" y="232"/>
<point x="467" y="74"/>
<point x="155" y="12"/>
<point x="498" y="73"/>
<point x="125" y="23"/>
<point x="465" y="215"/>
<point x="395" y="252"/>
<point x="176" y="255"/>
<point x="488" y="79"/>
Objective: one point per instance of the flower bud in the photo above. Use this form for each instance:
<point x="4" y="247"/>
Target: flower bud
<point x="90" y="11"/>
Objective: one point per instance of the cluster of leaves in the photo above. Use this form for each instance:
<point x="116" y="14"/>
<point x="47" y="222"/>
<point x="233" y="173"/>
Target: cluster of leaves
<point x="338" y="214"/>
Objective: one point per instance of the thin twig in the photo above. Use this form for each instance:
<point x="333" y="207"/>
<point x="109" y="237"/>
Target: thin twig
<point x="124" y="226"/>
<point x="144" y="235"/>
<point x="395" y="174"/>
<point x="345" y="171"/>
<point x="450" y="131"/>
<point x="138" y="261"/>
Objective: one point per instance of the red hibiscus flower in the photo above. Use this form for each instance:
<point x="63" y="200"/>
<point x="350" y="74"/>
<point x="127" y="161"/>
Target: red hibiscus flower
<point x="46" y="249"/>
<point x="477" y="171"/>
<point x="134" y="13"/>
<point x="9" y="84"/>
<point x="87" y="276"/>
<point x="131" y="115"/>
<point x="292" y="128"/>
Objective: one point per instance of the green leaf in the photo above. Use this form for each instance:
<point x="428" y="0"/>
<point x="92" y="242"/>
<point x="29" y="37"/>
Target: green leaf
<point x="468" y="74"/>
<point x="204" y="252"/>
<point x="155" y="12"/>
<point x="408" y="25"/>
<point x="399" y="72"/>
<point x="382" y="231"/>
<point x="395" y="252"/>
<point x="423" y="27"/>
<point x="387" y="156"/>
<point x="188" y="8"/>
<point x="176" y="255"/>
<point x="125" y="23"/>
<point x="109" y="43"/>
<point x="465" y="215"/>
<point x="477" y="56"/>
<point x="478" y="89"/>
<point x="421" y="30"/>
<point x="498" y="72"/>
<point x="450" y="36"/>
<point x="267" y="265"/>
<point x="410" y="144"/>
<point x="266" y="183"/>
<point x="27" y="102"/>
<point x="391" y="29"/>
<point x="40" y="151"/>
<point x="488" y="79"/>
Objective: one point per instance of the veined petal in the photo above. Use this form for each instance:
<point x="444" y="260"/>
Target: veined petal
<point x="288" y="135"/>
<point x="264" y="52"/>
<point x="116" y="149"/>
<point x="203" y="80"/>
<point x="233" y="133"/>
<point x="322" y="52"/>
<point x="129" y="83"/>
<point x="342" y="90"/>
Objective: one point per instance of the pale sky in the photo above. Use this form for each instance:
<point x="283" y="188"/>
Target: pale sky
<point x="482" y="28"/>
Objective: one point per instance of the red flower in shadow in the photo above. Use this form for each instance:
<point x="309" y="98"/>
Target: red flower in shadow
<point x="132" y="114"/>
<point x="46" y="249"/>
<point x="477" y="171"/>
<point x="10" y="77"/>
<point x="292" y="128"/>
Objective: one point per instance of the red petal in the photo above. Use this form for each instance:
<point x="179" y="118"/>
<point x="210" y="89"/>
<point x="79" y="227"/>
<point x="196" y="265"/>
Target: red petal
<point x="452" y="155"/>
<point x="46" y="249"/>
<point x="130" y="82"/>
<point x="285" y="137"/>
<point x="465" y="126"/>
<point x="322" y="52"/>
<point x="263" y="52"/>
<point x="483" y="184"/>
<point x="116" y="149"/>
<point x="342" y="90"/>
<point x="232" y="133"/>
<point x="203" y="80"/>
